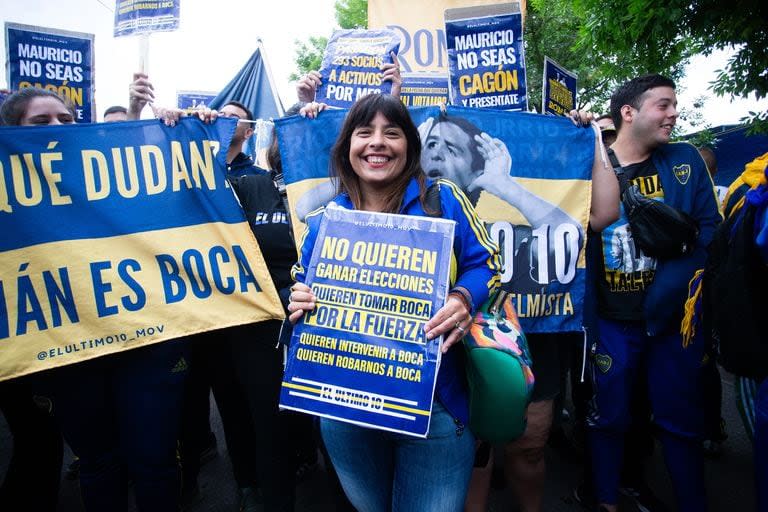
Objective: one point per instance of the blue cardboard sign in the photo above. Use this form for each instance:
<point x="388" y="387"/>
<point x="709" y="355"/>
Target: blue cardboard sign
<point x="352" y="64"/>
<point x="143" y="17"/>
<point x="59" y="61"/>
<point x="191" y="100"/>
<point x="486" y="60"/>
<point x="361" y="355"/>
<point x="558" y="92"/>
<point x="424" y="89"/>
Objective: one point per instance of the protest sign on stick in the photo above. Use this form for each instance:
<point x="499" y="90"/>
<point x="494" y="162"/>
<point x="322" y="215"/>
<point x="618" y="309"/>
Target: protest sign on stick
<point x="558" y="91"/>
<point x="486" y="57"/>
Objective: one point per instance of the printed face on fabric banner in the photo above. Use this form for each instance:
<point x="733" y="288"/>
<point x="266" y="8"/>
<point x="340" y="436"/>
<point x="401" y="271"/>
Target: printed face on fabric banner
<point x="118" y="235"/>
<point x="527" y="175"/>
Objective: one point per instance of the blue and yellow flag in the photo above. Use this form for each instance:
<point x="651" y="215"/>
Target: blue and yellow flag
<point x="119" y="235"/>
<point x="527" y="175"/>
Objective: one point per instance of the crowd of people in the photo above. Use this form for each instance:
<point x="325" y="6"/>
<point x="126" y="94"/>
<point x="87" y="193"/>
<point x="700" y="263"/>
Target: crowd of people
<point x="146" y="419"/>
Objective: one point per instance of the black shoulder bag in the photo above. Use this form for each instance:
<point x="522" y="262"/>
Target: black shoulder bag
<point x="658" y="229"/>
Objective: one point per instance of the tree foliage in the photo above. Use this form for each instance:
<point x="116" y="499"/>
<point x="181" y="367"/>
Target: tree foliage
<point x="351" y="13"/>
<point x="309" y="53"/>
<point x="551" y="29"/>
<point x="644" y="36"/>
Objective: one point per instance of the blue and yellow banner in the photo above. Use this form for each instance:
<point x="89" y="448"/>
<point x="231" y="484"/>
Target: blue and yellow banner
<point x="118" y="235"/>
<point x="528" y="175"/>
<point x="486" y="57"/>
<point x="351" y="66"/>
<point x="59" y="61"/>
<point x="146" y="16"/>
<point x="361" y="355"/>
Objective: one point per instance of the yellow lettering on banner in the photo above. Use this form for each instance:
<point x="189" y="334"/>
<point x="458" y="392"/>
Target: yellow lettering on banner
<point x="52" y="178"/>
<point x="394" y="256"/>
<point x="96" y="186"/>
<point x="33" y="195"/>
<point x="365" y="349"/>
<point x="179" y="170"/>
<point x="543" y="304"/>
<point x="202" y="164"/>
<point x="360" y="365"/>
<point x="318" y="341"/>
<point x="130" y="188"/>
<point x="152" y="160"/>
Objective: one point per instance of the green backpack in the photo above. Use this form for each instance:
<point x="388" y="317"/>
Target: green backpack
<point x="498" y="364"/>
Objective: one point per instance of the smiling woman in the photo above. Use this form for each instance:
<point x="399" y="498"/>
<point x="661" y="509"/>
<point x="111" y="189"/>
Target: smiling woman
<point x="376" y="160"/>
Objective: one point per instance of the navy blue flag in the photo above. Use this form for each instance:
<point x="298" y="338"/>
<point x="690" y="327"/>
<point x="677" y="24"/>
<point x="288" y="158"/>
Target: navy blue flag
<point x="252" y="86"/>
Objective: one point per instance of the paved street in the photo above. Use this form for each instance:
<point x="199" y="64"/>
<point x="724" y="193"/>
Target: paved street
<point x="729" y="478"/>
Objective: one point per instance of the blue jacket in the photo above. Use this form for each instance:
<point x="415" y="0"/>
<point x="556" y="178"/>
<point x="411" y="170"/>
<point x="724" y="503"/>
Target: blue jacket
<point x="242" y="165"/>
<point x="476" y="266"/>
<point x="688" y="187"/>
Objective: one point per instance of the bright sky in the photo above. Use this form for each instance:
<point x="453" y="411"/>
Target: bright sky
<point x="214" y="41"/>
<point x="217" y="37"/>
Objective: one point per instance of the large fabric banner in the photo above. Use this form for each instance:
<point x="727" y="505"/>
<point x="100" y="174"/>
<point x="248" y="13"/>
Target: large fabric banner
<point x="118" y="235"/>
<point x="361" y="355"/>
<point x="351" y="66"/>
<point x="56" y="60"/>
<point x="558" y="92"/>
<point x="146" y="16"/>
<point x="486" y="57"/>
<point x="420" y="27"/>
<point x="528" y="175"/>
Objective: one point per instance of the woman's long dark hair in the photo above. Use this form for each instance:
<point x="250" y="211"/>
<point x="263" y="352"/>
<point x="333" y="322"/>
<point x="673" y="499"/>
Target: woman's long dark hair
<point x="15" y="105"/>
<point x="361" y="114"/>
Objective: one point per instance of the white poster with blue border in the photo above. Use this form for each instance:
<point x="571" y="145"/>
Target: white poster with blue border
<point x="361" y="356"/>
<point x="56" y="60"/>
<point x="486" y="57"/>
<point x="142" y="16"/>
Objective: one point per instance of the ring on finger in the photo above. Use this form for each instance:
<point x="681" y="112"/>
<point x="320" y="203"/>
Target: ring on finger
<point x="461" y="329"/>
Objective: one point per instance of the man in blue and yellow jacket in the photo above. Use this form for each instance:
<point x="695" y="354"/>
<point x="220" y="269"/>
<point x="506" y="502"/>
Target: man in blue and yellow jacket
<point x="640" y="299"/>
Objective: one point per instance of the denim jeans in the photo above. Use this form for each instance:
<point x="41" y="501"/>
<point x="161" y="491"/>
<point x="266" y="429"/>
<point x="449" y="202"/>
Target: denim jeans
<point x="383" y="471"/>
<point x="120" y="414"/>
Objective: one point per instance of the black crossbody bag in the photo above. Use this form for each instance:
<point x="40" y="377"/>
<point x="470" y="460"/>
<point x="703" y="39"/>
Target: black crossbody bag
<point x="658" y="229"/>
